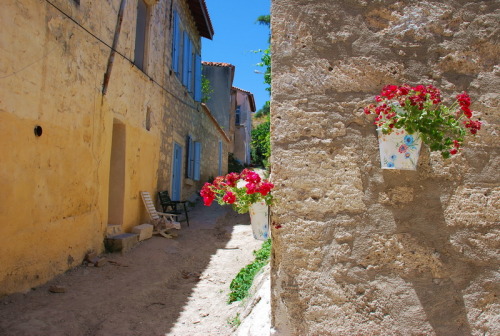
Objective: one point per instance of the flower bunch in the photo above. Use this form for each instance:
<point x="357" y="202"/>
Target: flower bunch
<point x="420" y="109"/>
<point x="240" y="190"/>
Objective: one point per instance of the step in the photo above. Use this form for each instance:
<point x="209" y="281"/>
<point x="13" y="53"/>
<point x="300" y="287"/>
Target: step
<point x="122" y="242"/>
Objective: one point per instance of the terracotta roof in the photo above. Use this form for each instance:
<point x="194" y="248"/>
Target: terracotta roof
<point x="250" y="98"/>
<point x="220" y="64"/>
<point x="201" y="17"/>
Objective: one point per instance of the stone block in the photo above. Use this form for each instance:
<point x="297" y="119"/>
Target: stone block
<point x="145" y="231"/>
<point x="122" y="242"/>
<point x="113" y="230"/>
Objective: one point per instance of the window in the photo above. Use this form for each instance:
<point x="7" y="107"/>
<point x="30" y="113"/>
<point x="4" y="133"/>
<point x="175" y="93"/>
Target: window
<point x="193" y="158"/>
<point x="237" y="113"/>
<point x="140" y="34"/>
<point x="186" y="61"/>
<point x="176" y="30"/>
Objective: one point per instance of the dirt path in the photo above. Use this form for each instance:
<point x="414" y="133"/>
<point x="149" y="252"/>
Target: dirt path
<point x="173" y="287"/>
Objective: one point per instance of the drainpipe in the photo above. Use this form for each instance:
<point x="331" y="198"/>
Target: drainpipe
<point x="111" y="59"/>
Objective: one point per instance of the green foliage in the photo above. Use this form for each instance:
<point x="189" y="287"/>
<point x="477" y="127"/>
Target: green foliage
<point x="261" y="135"/>
<point x="264" y="111"/>
<point x="266" y="62"/>
<point x="261" y="143"/>
<point x="235" y="321"/>
<point x="206" y="89"/>
<point x="243" y="281"/>
<point x="264" y="20"/>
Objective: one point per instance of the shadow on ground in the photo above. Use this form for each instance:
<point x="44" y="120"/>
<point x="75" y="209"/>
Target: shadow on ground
<point x="142" y="292"/>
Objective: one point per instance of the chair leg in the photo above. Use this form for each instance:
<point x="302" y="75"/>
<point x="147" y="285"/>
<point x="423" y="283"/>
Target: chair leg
<point x="186" y="213"/>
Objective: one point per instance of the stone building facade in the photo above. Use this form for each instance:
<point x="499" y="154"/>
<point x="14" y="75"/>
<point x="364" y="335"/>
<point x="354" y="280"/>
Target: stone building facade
<point x="93" y="111"/>
<point x="245" y="106"/>
<point x="358" y="250"/>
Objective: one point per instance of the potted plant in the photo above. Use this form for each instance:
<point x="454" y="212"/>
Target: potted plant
<point x="245" y="192"/>
<point x="414" y="114"/>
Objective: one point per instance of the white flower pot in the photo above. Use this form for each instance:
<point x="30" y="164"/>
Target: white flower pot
<point x="399" y="150"/>
<point x="259" y="219"/>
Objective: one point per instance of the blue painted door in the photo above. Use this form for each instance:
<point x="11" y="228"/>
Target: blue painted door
<point x="177" y="173"/>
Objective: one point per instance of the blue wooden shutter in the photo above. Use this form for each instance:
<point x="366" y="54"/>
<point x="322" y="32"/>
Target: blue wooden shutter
<point x="175" y="42"/>
<point x="176" y="173"/>
<point x="189" y="157"/>
<point x="197" y="160"/>
<point x="197" y="77"/>
<point x="190" y="68"/>
<point x="186" y="56"/>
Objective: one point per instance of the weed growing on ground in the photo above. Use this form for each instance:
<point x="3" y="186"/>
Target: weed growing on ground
<point x="235" y="321"/>
<point x="243" y="281"/>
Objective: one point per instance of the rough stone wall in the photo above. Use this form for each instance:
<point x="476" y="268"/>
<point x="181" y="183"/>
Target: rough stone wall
<point x="54" y="200"/>
<point x="362" y="251"/>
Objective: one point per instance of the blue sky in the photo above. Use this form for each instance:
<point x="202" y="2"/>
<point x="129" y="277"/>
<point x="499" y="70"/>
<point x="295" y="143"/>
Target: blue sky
<point x="236" y="35"/>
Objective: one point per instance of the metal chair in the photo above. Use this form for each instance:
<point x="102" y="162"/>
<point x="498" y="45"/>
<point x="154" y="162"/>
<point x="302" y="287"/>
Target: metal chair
<point x="170" y="206"/>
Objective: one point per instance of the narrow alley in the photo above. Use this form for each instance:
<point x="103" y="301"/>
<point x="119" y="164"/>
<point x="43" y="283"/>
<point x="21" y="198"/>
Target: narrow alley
<point x="161" y="287"/>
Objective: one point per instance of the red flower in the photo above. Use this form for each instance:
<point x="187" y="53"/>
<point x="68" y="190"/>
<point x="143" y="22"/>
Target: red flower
<point x="467" y="111"/>
<point x="403" y="148"/>
<point x="251" y="188"/>
<point x="207" y="201"/>
<point x="389" y="91"/>
<point x="473" y="125"/>
<point x="265" y="188"/>
<point x="231" y="179"/>
<point x="207" y="194"/>
<point x="453" y="151"/>
<point x="252" y="177"/>
<point x="463" y="99"/>
<point x="229" y="197"/>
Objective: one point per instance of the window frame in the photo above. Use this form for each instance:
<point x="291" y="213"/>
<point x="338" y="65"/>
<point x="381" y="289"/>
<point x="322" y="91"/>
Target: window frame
<point x="142" y="62"/>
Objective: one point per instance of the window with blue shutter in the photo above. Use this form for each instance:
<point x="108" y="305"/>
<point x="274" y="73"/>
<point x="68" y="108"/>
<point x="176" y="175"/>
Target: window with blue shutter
<point x="197" y="161"/>
<point x="197" y="77"/>
<point x="237" y="114"/>
<point x="189" y="157"/>
<point x="186" y="57"/>
<point x="176" y="43"/>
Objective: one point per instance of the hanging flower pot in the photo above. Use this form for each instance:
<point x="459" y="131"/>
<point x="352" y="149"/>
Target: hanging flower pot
<point x="399" y="150"/>
<point x="420" y="109"/>
<point x="259" y="219"/>
<point x="247" y="191"/>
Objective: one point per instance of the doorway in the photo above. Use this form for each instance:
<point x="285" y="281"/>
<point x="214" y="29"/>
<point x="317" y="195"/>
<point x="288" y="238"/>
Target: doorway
<point x="116" y="189"/>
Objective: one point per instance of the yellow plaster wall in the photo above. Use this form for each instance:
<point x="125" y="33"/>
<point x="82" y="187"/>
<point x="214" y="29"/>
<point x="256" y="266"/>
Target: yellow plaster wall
<point x="54" y="199"/>
<point x="55" y="188"/>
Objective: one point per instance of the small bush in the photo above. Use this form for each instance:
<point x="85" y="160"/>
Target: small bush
<point x="243" y="281"/>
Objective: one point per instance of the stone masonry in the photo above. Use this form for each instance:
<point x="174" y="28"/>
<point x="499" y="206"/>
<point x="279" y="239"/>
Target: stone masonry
<point x="363" y="251"/>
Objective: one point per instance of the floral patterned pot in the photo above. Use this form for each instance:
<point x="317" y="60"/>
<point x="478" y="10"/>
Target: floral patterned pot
<point x="399" y="150"/>
<point x="259" y="218"/>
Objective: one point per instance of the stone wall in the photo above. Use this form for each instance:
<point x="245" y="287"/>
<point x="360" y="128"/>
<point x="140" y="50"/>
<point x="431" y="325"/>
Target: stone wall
<point x="55" y="187"/>
<point x="362" y="251"/>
